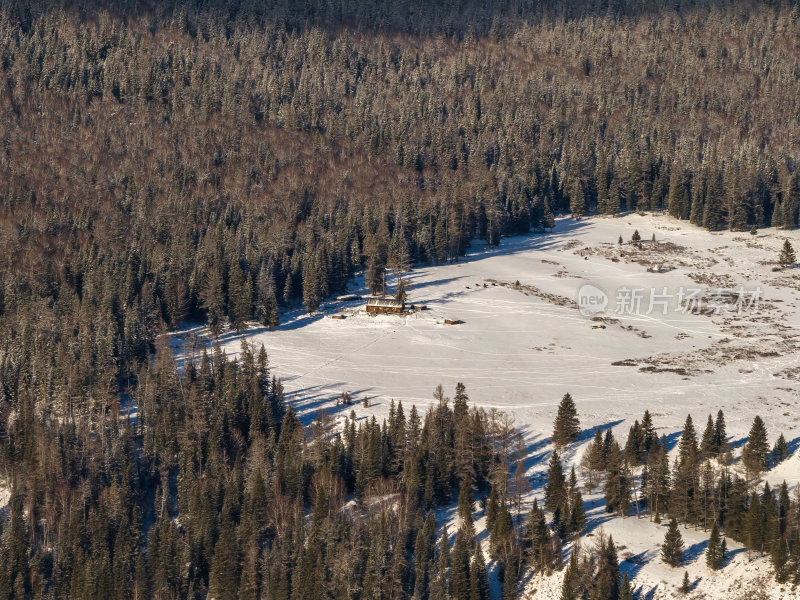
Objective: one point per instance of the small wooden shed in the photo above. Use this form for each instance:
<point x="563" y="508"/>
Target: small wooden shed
<point x="376" y="304"/>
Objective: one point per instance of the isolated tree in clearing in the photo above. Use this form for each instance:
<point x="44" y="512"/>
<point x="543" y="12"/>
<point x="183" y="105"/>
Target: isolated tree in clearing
<point x="787" y="256"/>
<point x="566" y="427"/>
<point x="686" y="586"/>
<point x="672" y="548"/>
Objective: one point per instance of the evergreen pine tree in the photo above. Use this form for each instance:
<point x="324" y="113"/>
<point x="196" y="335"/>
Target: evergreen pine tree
<point x="787" y="256"/>
<point x="478" y="577"/>
<point x="672" y="548"/>
<point x="596" y="456"/>
<point x="492" y="508"/>
<point x="571" y="588"/>
<point x="240" y="297"/>
<point x="714" y="217"/>
<point x="271" y="313"/>
<point x="577" y="202"/>
<point x="424" y="554"/>
<point x="538" y="540"/>
<point x="577" y="514"/>
<point x="755" y="454"/>
<point x="608" y="577"/>
<point x="566" y="428"/>
<point x="708" y="445"/>
<point x="466" y="504"/>
<point x="780" y="451"/>
<point x="617" y="489"/>
<point x="686" y="586"/>
<point x="625" y="592"/>
<point x="649" y="436"/>
<point x="459" y="567"/>
<point x="720" y="434"/>
<point x="634" y="447"/>
<point x="714" y="556"/>
<point x="555" y="493"/>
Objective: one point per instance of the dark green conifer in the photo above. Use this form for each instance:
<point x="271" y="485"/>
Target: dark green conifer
<point x="672" y="548"/>
<point x="566" y="427"/>
<point x="555" y="493"/>
<point x="714" y="556"/>
<point x="755" y="454"/>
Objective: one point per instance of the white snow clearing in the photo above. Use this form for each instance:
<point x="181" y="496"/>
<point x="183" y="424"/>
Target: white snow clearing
<point x="523" y="343"/>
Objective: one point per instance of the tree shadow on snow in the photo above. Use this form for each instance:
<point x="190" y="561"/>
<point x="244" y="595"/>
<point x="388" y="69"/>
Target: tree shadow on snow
<point x="730" y="554"/>
<point x="793" y="446"/>
<point x="565" y="229"/>
<point x="310" y="401"/>
<point x="738" y="443"/>
<point x="596" y="516"/>
<point x="634" y="564"/>
<point x="672" y="439"/>
<point x="693" y="552"/>
<point x="588" y="434"/>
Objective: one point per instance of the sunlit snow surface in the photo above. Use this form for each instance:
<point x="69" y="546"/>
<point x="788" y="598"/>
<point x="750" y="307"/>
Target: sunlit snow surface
<point x="521" y="347"/>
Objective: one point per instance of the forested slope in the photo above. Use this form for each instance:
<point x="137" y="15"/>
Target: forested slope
<point x="171" y="161"/>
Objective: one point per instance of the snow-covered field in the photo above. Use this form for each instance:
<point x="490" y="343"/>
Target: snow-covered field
<point x="523" y="344"/>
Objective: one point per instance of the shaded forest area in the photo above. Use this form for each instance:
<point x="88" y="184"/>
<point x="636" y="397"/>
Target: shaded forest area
<point x="170" y="161"/>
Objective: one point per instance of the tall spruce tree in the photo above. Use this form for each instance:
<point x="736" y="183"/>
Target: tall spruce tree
<point x="478" y="577"/>
<point x="708" y="445"/>
<point x="617" y="487"/>
<point x="566" y="427"/>
<point x="780" y="451"/>
<point x="755" y="454"/>
<point x="555" y="490"/>
<point x="787" y="257"/>
<point x="714" y="556"/>
<point x="460" y="588"/>
<point x="571" y="588"/>
<point x="607" y="580"/>
<point x="672" y="548"/>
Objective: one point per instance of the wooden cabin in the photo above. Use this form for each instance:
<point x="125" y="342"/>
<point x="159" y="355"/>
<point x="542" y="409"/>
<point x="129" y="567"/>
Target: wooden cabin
<point x="376" y="304"/>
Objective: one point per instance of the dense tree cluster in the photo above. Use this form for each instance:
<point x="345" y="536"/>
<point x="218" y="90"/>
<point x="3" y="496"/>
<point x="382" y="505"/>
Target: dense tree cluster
<point x="701" y="489"/>
<point x="165" y="161"/>
<point x="214" y="489"/>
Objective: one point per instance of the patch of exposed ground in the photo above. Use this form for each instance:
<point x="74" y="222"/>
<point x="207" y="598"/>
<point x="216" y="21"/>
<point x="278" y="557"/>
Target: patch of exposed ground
<point x="666" y="255"/>
<point x="532" y="290"/>
<point x="720" y="353"/>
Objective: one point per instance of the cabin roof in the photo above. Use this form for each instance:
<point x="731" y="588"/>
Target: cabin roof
<point x="384" y="302"/>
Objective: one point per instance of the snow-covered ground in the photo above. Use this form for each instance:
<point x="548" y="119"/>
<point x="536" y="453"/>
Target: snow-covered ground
<point x="524" y="343"/>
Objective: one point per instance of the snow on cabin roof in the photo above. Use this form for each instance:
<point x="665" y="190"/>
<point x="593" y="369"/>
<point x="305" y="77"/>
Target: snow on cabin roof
<point x="384" y="302"/>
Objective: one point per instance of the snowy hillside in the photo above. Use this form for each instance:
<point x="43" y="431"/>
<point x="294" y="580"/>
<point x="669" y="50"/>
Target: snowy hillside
<point x="523" y="343"/>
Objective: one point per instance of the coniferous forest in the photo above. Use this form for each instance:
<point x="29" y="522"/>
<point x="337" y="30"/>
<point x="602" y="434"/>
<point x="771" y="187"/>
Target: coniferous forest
<point x="223" y="161"/>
